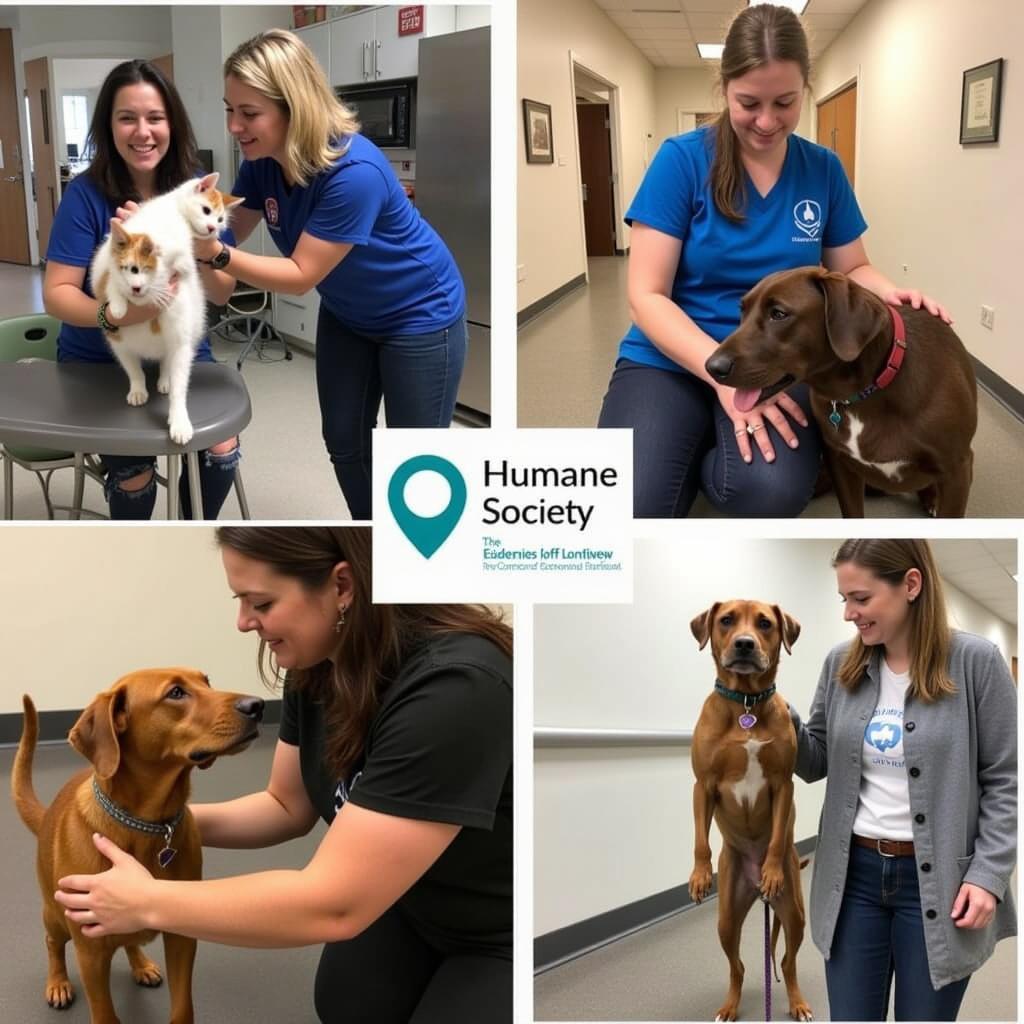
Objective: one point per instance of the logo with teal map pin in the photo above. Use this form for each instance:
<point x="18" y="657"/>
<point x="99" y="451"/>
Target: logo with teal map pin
<point x="426" y="533"/>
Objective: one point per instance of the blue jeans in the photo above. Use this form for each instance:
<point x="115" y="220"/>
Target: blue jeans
<point x="879" y="935"/>
<point x="683" y="441"/>
<point x="417" y="374"/>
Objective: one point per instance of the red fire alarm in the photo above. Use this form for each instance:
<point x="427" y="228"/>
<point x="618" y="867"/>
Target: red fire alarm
<point x="410" y="20"/>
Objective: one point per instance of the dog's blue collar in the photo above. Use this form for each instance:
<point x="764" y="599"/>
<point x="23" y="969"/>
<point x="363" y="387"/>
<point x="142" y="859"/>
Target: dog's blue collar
<point x="748" y="700"/>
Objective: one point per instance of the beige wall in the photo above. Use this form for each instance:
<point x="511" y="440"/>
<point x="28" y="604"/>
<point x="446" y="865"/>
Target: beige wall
<point x="951" y="212"/>
<point x="81" y="607"/>
<point x="551" y="244"/>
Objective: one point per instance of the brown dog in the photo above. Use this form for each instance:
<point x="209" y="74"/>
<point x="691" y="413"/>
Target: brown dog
<point x="143" y="736"/>
<point x="905" y="430"/>
<point x="744" y="750"/>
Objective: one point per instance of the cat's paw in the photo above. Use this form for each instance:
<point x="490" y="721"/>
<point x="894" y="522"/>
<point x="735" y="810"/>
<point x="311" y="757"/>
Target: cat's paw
<point x="138" y="396"/>
<point x="180" y="429"/>
<point x="117" y="307"/>
<point x="163" y="385"/>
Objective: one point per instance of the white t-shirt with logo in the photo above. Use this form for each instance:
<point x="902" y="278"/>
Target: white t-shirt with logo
<point x="884" y="808"/>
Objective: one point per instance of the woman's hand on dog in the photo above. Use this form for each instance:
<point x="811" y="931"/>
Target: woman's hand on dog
<point x="754" y="424"/>
<point x="917" y="299"/>
<point x="112" y="903"/>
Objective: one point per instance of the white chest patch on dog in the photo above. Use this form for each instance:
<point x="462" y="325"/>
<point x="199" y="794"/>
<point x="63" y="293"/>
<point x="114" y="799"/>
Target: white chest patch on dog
<point x="852" y="443"/>
<point x="746" y="790"/>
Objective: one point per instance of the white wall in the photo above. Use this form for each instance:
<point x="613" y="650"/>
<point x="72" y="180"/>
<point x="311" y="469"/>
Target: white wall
<point x="615" y="825"/>
<point x="80" y="607"/>
<point x="952" y="213"/>
<point x="550" y="221"/>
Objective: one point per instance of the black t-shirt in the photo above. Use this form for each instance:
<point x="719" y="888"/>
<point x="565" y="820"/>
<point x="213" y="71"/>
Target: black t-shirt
<point x="439" y="749"/>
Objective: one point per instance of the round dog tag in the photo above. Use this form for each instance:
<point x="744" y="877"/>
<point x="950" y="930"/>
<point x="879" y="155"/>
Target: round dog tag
<point x="747" y="720"/>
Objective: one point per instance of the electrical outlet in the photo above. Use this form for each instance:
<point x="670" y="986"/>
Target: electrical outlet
<point x="988" y="317"/>
<point x="520" y="273"/>
<point x="906" y="268"/>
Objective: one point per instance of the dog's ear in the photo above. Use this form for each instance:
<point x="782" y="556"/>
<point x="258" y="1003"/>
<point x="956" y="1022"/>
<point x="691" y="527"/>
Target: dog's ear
<point x="850" y="321"/>
<point x="788" y="627"/>
<point x="701" y="625"/>
<point x="96" y="733"/>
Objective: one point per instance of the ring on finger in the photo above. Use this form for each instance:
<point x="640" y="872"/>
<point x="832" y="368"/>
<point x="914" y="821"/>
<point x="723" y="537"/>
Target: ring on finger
<point x="742" y="431"/>
<point x="755" y="427"/>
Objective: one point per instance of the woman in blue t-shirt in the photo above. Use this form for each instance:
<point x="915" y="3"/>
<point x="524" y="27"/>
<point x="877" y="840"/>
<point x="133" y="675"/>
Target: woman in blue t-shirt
<point x="718" y="209"/>
<point x="392" y="303"/>
<point x="142" y="145"/>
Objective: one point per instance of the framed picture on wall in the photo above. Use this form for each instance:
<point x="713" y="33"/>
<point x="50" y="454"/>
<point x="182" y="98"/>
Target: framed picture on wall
<point x="979" y="103"/>
<point x="537" y="123"/>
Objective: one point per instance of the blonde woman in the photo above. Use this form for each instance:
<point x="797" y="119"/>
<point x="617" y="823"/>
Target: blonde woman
<point x="392" y="302"/>
<point x="719" y="208"/>
<point x="915" y="726"/>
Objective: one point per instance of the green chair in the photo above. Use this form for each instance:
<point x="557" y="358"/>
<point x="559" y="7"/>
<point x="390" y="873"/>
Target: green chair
<point x="35" y="337"/>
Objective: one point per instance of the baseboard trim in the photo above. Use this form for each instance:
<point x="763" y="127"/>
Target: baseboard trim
<point x="1003" y="392"/>
<point x="538" y="307"/>
<point x="54" y="726"/>
<point x="565" y="944"/>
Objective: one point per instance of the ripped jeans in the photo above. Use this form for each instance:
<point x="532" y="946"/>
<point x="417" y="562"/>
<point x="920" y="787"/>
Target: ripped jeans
<point x="216" y="478"/>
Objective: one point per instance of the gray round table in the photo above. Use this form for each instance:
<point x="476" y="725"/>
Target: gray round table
<point x="81" y="408"/>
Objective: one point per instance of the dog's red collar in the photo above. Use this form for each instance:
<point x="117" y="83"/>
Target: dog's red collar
<point x="888" y="374"/>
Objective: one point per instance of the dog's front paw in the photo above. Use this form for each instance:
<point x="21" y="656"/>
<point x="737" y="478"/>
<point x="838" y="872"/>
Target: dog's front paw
<point x="180" y="429"/>
<point x="728" y="1011"/>
<point x="163" y="385"/>
<point x="60" y="993"/>
<point x="771" y="880"/>
<point x="800" y="1011"/>
<point x="700" y="883"/>
<point x="138" y="396"/>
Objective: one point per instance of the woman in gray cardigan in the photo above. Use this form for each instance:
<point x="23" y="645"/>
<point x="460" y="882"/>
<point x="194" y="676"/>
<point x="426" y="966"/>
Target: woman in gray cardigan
<point x="915" y="726"/>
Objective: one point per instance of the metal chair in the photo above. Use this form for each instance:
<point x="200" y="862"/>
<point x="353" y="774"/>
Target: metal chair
<point x="25" y="339"/>
<point x="244" y="321"/>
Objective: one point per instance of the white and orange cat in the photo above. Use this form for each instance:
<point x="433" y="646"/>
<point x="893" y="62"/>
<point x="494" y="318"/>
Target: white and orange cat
<point x="136" y="264"/>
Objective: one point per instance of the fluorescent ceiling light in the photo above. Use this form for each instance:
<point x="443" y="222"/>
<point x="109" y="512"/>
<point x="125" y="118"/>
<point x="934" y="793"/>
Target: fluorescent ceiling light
<point x="797" y="6"/>
<point x="710" y="51"/>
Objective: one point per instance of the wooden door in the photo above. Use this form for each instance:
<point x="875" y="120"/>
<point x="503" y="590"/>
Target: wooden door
<point x="166" y="65"/>
<point x="14" y="247"/>
<point x="596" y="176"/>
<point x="40" y="103"/>
<point x="837" y="128"/>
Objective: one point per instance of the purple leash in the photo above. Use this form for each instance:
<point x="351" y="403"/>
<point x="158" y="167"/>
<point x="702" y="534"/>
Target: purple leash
<point x="767" y="962"/>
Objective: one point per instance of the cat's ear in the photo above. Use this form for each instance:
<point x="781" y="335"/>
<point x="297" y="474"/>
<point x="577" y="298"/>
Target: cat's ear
<point x="117" y="231"/>
<point x="205" y="184"/>
<point x="230" y="202"/>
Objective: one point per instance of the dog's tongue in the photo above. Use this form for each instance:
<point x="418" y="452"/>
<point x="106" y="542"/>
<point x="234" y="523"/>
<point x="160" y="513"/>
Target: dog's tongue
<point x="746" y="398"/>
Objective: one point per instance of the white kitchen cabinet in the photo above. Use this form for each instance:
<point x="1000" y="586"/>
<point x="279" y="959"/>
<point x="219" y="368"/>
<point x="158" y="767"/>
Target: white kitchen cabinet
<point x="318" y="39"/>
<point x="296" y="316"/>
<point x="366" y="47"/>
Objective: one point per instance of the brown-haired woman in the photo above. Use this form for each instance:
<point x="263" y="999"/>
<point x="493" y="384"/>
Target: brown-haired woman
<point x="915" y="726"/>
<point x="718" y="209"/>
<point x="397" y="732"/>
<point x="141" y="145"/>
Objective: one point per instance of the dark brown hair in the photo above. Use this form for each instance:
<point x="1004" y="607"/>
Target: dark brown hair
<point x="107" y="168"/>
<point x="376" y="638"/>
<point x="757" y="35"/>
<point x="890" y="560"/>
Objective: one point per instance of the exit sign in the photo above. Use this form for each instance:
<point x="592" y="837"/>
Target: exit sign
<point x="410" y="20"/>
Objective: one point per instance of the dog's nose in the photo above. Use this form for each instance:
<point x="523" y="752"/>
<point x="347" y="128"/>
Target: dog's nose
<point x="251" y="707"/>
<point x="743" y="645"/>
<point x="719" y="365"/>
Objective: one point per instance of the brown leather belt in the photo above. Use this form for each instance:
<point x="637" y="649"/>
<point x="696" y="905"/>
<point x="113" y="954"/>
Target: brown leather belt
<point x="886" y="847"/>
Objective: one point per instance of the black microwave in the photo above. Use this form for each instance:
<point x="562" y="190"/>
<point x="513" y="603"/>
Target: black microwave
<point x="385" y="111"/>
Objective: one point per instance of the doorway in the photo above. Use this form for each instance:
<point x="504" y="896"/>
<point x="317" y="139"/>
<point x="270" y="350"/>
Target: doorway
<point x="596" y="103"/>
<point x="14" y="242"/>
<point x="837" y="127"/>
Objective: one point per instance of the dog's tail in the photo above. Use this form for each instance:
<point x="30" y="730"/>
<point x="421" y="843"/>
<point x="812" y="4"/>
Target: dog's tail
<point x="25" y="799"/>
<point x="776" y="928"/>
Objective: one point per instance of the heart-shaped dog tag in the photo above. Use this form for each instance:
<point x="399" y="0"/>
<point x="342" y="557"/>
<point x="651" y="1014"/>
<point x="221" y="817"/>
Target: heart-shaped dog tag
<point x="747" y="721"/>
<point x="165" y="856"/>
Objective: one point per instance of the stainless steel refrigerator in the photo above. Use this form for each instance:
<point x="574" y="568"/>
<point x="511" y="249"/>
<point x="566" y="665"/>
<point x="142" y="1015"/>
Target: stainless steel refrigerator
<point x="453" y="184"/>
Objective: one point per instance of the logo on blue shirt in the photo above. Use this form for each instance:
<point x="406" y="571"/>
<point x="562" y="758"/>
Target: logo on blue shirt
<point x="807" y="217"/>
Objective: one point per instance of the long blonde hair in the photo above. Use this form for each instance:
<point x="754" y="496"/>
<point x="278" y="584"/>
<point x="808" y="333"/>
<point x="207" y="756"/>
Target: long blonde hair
<point x="282" y="67"/>
<point x="757" y="35"/>
<point x="890" y="560"/>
